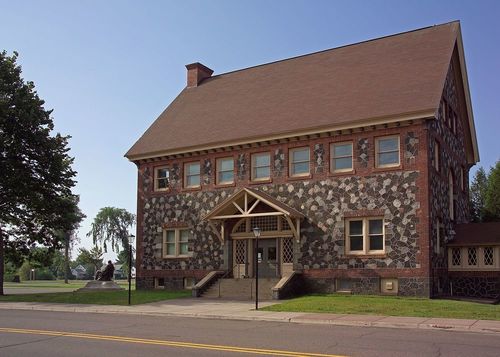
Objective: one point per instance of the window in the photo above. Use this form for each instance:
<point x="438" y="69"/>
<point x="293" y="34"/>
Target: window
<point x="451" y="204"/>
<point x="225" y="171"/>
<point x="299" y="161"/>
<point x="456" y="257"/>
<point x="261" y="166"/>
<point x="192" y="175"/>
<point x="472" y="256"/>
<point x="436" y="156"/>
<point x="488" y="256"/>
<point x="161" y="178"/>
<point x="365" y="236"/>
<point x="387" y="151"/>
<point x="175" y="243"/>
<point x="341" y="157"/>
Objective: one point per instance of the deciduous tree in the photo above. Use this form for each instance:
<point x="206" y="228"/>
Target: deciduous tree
<point x="36" y="179"/>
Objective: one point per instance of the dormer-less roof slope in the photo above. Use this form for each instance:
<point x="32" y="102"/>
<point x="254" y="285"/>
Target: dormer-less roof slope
<point x="392" y="78"/>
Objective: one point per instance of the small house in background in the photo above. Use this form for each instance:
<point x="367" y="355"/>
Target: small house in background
<point x="353" y="162"/>
<point x="119" y="273"/>
<point x="79" y="272"/>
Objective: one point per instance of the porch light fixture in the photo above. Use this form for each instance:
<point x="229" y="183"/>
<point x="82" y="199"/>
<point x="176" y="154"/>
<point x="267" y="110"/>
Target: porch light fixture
<point x="256" y="233"/>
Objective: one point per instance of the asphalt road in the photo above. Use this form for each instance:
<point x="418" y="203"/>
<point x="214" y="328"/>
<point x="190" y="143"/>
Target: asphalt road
<point x="29" y="333"/>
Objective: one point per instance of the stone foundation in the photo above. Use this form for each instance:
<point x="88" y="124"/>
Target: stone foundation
<point x="482" y="287"/>
<point x="414" y="287"/>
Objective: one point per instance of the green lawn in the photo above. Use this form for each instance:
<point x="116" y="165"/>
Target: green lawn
<point x="389" y="306"/>
<point x="46" y="284"/>
<point x="72" y="284"/>
<point x="100" y="298"/>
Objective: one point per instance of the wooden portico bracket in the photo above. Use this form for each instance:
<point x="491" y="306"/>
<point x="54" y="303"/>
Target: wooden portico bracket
<point x="219" y="234"/>
<point x="243" y="203"/>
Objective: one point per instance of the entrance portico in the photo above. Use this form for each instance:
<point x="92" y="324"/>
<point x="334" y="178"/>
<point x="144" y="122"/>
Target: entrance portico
<point x="233" y="221"/>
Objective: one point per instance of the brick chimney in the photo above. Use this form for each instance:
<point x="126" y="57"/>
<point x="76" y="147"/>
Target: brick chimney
<point x="196" y="72"/>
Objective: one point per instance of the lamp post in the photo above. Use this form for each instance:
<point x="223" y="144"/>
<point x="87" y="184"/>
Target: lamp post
<point x="130" y="239"/>
<point x="256" y="233"/>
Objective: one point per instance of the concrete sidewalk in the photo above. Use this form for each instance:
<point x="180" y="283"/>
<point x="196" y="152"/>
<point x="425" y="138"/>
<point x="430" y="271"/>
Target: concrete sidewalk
<point x="244" y="310"/>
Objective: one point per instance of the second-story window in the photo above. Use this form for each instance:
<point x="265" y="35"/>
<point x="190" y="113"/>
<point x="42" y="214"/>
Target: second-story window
<point x="225" y="171"/>
<point x="299" y="161"/>
<point x="387" y="151"/>
<point x="341" y="157"/>
<point x="161" y="178"/>
<point x="192" y="175"/>
<point x="261" y="166"/>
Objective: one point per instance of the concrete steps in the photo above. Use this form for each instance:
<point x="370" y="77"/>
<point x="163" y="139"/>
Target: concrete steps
<point x="241" y="289"/>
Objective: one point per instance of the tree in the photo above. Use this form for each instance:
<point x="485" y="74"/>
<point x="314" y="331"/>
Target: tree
<point x="492" y="196"/>
<point x="36" y="179"/>
<point x="91" y="257"/>
<point x="478" y="195"/>
<point x="111" y="226"/>
<point x="123" y="258"/>
<point x="69" y="236"/>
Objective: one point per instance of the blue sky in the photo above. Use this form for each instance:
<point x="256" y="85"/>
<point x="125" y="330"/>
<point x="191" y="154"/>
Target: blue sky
<point x="109" y="68"/>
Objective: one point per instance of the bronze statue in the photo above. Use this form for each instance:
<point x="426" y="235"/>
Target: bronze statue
<point x="107" y="273"/>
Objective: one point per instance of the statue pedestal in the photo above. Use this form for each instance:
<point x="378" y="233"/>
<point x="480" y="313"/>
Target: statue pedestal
<point x="96" y="285"/>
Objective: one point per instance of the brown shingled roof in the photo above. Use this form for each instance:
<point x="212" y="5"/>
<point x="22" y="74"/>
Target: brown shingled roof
<point x="392" y="76"/>
<point x="476" y="234"/>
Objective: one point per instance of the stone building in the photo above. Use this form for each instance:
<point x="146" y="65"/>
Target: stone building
<point x="353" y="162"/>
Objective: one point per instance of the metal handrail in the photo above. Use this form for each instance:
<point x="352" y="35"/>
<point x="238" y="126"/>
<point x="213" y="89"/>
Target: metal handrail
<point x="227" y="273"/>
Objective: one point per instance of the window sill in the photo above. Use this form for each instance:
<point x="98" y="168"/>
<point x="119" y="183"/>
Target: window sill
<point x="300" y="177"/>
<point x="366" y="256"/>
<point x="388" y="168"/>
<point x="257" y="182"/>
<point x="224" y="185"/>
<point x="177" y="257"/>
<point x="341" y="173"/>
<point x="191" y="189"/>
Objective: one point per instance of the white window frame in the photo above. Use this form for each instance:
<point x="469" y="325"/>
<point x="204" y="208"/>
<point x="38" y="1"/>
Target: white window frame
<point x="255" y="166"/>
<point x="333" y="157"/>
<point x="292" y="163"/>
<point x="157" y="178"/>
<point x="366" y="236"/>
<point x="177" y="243"/>
<point x="464" y="259"/>
<point x="377" y="151"/>
<point x="219" y="171"/>
<point x="186" y="165"/>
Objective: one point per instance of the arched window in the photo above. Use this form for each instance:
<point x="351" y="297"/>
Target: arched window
<point x="450" y="198"/>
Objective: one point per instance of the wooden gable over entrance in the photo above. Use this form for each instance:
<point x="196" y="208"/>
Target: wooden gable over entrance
<point x="243" y="204"/>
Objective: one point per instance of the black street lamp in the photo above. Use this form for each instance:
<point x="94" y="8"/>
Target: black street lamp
<point x="130" y="239"/>
<point x="256" y="233"/>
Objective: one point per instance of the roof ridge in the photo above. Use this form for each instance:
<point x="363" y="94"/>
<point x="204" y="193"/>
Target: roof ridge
<point x="332" y="49"/>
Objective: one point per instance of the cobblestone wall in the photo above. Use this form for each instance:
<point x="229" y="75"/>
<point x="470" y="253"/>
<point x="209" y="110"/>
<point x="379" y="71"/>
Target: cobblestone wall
<point x="451" y="158"/>
<point x="484" y="287"/>
<point x="325" y="203"/>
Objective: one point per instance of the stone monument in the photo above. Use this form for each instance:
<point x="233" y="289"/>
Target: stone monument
<point x="103" y="280"/>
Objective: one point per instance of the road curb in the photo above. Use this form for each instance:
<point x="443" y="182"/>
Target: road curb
<point x="475" y="326"/>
